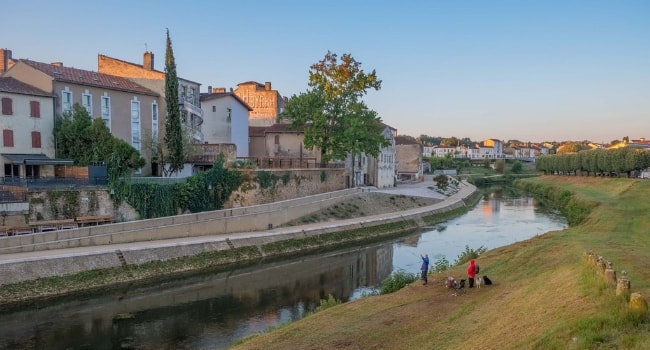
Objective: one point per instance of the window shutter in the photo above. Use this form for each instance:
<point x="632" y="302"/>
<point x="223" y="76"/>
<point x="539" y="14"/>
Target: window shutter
<point x="8" y="137"/>
<point x="6" y="106"/>
<point x="35" y="109"/>
<point x="36" y="139"/>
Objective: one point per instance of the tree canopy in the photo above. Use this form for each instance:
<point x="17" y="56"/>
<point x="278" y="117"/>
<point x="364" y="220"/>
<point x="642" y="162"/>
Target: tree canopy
<point x="86" y="141"/>
<point x="175" y="158"/>
<point x="331" y="112"/>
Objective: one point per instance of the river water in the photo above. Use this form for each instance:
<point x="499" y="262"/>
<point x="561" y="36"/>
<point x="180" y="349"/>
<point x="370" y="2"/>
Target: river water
<point x="213" y="310"/>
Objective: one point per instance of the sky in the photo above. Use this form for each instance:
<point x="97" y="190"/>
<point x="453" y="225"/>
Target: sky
<point x="527" y="70"/>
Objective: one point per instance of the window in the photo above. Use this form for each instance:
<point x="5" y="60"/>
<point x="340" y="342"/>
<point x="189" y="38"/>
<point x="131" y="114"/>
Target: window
<point x="8" y="138"/>
<point x="34" y="109"/>
<point x="135" y="123"/>
<point x="7" y="108"/>
<point x="66" y="101"/>
<point x="214" y="108"/>
<point x="106" y="110"/>
<point x="154" y="121"/>
<point x="183" y="92"/>
<point x="36" y="139"/>
<point x="87" y="102"/>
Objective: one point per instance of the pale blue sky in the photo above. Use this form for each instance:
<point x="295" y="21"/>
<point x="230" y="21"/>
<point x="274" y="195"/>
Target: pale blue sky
<point x="527" y="70"/>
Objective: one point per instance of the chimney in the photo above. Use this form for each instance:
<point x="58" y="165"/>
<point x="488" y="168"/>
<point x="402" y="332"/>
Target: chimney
<point x="147" y="62"/>
<point x="57" y="64"/>
<point x="209" y="89"/>
<point x="218" y="90"/>
<point x="267" y="85"/>
<point x="5" y="57"/>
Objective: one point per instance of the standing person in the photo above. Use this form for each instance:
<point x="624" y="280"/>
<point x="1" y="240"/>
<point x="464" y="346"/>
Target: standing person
<point x="471" y="273"/>
<point x="424" y="268"/>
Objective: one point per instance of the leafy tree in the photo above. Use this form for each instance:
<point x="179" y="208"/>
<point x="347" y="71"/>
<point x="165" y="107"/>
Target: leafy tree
<point x="517" y="167"/>
<point x="86" y="141"/>
<point x="173" y="131"/>
<point x="500" y="166"/>
<point x="331" y="112"/>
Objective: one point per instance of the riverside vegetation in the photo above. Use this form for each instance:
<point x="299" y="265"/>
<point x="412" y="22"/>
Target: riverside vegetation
<point x="545" y="294"/>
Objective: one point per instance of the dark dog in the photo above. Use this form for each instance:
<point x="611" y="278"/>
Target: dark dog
<point x="487" y="281"/>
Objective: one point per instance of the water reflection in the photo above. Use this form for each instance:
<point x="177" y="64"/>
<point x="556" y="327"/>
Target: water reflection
<point x="213" y="309"/>
<point x="205" y="311"/>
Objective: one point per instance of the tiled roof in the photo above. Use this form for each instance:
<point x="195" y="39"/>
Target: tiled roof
<point x="85" y="77"/>
<point x="256" y="131"/>
<point x="283" y="128"/>
<point x="18" y="87"/>
<point x="218" y="95"/>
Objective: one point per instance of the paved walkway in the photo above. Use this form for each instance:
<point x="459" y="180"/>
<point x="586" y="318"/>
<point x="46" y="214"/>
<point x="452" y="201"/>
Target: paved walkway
<point x="416" y="189"/>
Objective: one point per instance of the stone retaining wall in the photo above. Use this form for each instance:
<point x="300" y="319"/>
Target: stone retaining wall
<point x="46" y="266"/>
<point x="243" y="219"/>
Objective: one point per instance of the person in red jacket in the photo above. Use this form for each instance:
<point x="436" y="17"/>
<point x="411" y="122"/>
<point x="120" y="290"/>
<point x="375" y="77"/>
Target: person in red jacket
<point x="471" y="273"/>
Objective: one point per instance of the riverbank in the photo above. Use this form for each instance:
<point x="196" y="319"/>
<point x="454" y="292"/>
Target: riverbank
<point x="58" y="272"/>
<point x="546" y="295"/>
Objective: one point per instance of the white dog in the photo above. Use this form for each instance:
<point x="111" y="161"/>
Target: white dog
<point x="478" y="280"/>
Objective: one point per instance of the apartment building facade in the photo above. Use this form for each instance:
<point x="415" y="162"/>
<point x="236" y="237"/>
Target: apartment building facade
<point x="130" y="110"/>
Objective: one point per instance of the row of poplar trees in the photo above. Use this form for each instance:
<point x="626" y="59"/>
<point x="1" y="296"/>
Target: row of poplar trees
<point x="617" y="162"/>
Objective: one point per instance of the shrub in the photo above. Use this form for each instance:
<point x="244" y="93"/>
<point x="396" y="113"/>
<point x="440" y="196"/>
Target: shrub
<point x="396" y="281"/>
<point x="441" y="265"/>
<point x="327" y="303"/>
<point x="469" y="254"/>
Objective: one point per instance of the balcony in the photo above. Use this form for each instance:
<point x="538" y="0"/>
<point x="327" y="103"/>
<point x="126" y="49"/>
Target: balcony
<point x="187" y="105"/>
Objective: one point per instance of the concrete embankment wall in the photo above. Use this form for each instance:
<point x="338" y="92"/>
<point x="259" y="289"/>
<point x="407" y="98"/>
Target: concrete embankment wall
<point x="120" y="255"/>
<point x="244" y="219"/>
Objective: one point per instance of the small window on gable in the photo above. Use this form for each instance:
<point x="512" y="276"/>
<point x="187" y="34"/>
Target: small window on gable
<point x="34" y="109"/>
<point x="8" y="138"/>
<point x="7" y="107"/>
<point x="36" y="139"/>
<point x="214" y="108"/>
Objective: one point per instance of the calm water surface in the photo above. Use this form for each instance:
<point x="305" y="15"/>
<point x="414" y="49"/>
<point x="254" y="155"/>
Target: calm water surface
<point x="212" y="310"/>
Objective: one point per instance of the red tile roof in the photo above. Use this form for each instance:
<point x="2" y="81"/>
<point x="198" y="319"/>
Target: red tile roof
<point x="85" y="77"/>
<point x="12" y="85"/>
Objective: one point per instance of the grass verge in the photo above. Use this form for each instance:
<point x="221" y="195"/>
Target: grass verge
<point x="545" y="295"/>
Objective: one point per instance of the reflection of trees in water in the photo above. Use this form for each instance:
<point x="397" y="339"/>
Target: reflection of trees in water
<point x="221" y="305"/>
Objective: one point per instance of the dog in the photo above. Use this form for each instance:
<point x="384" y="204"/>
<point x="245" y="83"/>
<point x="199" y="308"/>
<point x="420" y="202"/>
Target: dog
<point x="478" y="281"/>
<point x="487" y="281"/>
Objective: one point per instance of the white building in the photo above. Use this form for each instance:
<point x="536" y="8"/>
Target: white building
<point x="225" y="120"/>
<point x="382" y="170"/>
<point x="27" y="122"/>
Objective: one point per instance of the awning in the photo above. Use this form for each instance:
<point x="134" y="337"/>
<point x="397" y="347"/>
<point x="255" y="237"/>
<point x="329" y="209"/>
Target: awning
<point x="35" y="159"/>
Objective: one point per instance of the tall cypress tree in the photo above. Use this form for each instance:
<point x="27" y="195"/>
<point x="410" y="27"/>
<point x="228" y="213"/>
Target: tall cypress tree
<point x="173" y="130"/>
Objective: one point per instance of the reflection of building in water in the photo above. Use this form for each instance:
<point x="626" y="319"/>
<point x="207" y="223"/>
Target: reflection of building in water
<point x="411" y="241"/>
<point x="219" y="303"/>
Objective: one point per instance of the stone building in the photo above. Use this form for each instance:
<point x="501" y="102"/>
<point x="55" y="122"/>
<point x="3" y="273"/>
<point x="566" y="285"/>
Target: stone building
<point x="267" y="104"/>
<point x="146" y="75"/>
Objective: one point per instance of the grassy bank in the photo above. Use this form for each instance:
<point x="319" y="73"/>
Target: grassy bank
<point x="546" y="295"/>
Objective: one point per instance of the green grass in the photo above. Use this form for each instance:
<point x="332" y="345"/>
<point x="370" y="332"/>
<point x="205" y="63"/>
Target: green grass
<point x="546" y="294"/>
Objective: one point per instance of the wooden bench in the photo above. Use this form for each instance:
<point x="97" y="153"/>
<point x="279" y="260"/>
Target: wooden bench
<point x="53" y="225"/>
<point x="4" y="230"/>
<point x="20" y="230"/>
<point x="94" y="220"/>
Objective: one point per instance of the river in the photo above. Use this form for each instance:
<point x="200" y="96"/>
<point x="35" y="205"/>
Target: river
<point x="212" y="310"/>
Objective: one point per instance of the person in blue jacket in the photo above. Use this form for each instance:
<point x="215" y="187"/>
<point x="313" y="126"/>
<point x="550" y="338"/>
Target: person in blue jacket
<point x="424" y="268"/>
